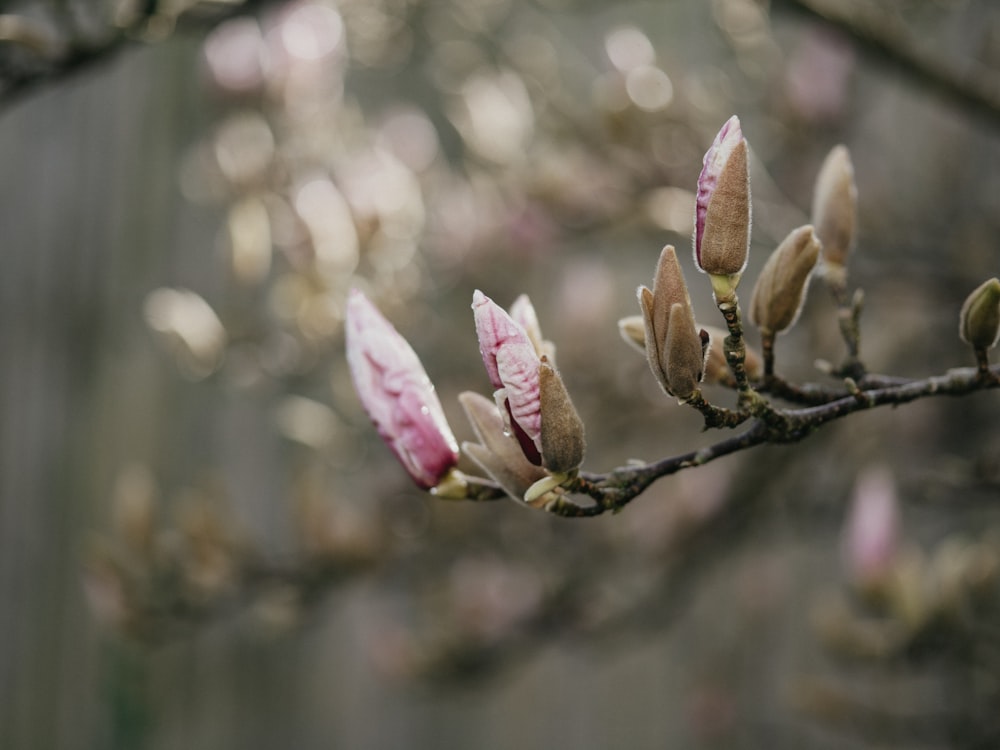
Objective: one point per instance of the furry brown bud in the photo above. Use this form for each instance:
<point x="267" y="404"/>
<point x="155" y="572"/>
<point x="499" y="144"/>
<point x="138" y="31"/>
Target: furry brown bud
<point x="781" y="287"/>
<point x="722" y="210"/>
<point x="834" y="208"/>
<point x="673" y="344"/>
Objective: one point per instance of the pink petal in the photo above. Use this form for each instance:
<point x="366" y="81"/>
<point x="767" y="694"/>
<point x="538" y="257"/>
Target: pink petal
<point x="871" y="535"/>
<point x="397" y="394"/>
<point x="523" y="313"/>
<point x="518" y="366"/>
<point x="494" y="328"/>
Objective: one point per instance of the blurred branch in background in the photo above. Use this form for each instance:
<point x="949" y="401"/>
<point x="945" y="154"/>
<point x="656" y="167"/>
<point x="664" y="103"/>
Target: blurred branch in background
<point x="45" y="44"/>
<point x="956" y="75"/>
<point x="40" y="48"/>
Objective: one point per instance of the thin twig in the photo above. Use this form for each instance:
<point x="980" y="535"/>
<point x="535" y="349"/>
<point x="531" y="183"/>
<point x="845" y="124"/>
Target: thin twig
<point x="75" y="57"/>
<point x="613" y="491"/>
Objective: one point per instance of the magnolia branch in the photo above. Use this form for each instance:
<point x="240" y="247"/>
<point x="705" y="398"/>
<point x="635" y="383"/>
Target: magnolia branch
<point x="614" y="490"/>
<point x="530" y="439"/>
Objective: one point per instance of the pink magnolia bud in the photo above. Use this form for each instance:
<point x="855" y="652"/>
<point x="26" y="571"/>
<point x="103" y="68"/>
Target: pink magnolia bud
<point x="528" y="390"/>
<point x="513" y="366"/>
<point x="722" y="209"/>
<point x="523" y="313"/>
<point x="871" y="535"/>
<point x="397" y="394"/>
<point x="495" y="329"/>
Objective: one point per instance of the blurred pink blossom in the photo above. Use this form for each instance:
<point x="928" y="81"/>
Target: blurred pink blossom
<point x="818" y="77"/>
<point x="871" y="534"/>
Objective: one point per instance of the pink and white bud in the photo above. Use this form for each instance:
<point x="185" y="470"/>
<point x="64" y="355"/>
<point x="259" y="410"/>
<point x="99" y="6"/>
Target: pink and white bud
<point x="722" y="207"/>
<point x="495" y="329"/>
<point x="871" y="534"/>
<point x="397" y="394"/>
<point x="529" y="392"/>
<point x="523" y="313"/>
<point x="513" y="367"/>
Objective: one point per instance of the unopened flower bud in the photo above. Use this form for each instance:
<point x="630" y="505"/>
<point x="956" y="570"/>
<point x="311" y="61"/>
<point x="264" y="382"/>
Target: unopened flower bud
<point x="979" y="321"/>
<point x="781" y="288"/>
<point x="523" y="313"/>
<point x="834" y="209"/>
<point x="633" y="332"/>
<point x="673" y="344"/>
<point x="528" y="390"/>
<point x="722" y="208"/>
<point x="871" y="535"/>
<point x="397" y="394"/>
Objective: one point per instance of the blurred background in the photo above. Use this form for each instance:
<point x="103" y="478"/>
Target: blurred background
<point x="203" y="542"/>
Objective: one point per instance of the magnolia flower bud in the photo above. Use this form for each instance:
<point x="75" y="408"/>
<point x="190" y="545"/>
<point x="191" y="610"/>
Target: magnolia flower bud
<point x="781" y="288"/>
<point x="529" y="391"/>
<point x="834" y="208"/>
<point x="674" y="347"/>
<point x="979" y="321"/>
<point x="523" y="313"/>
<point x="717" y="372"/>
<point x="722" y="208"/>
<point x="633" y="332"/>
<point x="397" y="394"/>
<point x="871" y="535"/>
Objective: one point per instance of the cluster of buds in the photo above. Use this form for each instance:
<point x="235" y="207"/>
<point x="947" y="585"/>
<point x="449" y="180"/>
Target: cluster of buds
<point x="531" y="439"/>
<point x="531" y="400"/>
<point x="676" y="349"/>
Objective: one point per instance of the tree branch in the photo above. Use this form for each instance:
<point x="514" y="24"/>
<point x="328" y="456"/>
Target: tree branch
<point x="54" y="59"/>
<point x="614" y="490"/>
